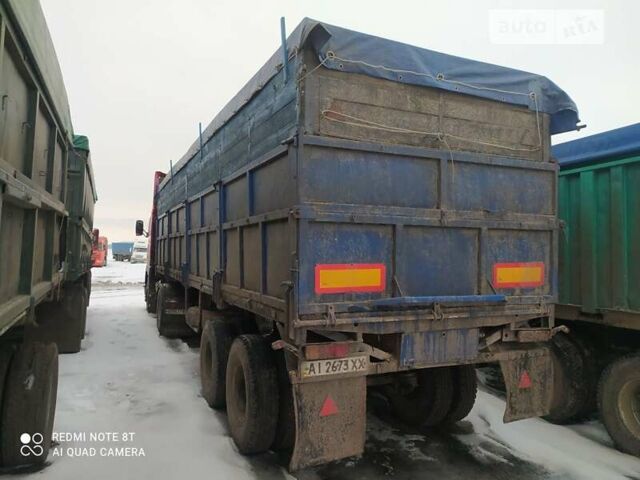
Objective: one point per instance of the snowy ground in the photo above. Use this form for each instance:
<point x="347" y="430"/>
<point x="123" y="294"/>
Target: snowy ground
<point x="127" y="379"/>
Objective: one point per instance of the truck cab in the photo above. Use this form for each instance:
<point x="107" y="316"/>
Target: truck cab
<point x="139" y="254"/>
<point x="100" y="252"/>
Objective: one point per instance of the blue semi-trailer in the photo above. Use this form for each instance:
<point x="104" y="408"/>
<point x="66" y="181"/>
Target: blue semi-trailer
<point x="363" y="213"/>
<point x="121" y="251"/>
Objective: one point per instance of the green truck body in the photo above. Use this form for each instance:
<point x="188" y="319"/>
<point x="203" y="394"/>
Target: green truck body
<point x="81" y="198"/>
<point x="47" y="196"/>
<point x="599" y="283"/>
<point x="600" y="245"/>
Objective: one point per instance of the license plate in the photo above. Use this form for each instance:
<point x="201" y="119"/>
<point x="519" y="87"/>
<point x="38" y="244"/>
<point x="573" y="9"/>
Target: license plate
<point x="334" y="366"/>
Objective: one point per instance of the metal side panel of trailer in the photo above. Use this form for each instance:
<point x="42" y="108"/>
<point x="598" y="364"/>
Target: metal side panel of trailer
<point x="81" y="198"/>
<point x="599" y="197"/>
<point x="33" y="168"/>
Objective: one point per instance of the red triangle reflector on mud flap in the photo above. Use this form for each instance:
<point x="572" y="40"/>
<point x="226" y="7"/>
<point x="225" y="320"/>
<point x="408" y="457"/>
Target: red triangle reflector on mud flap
<point x="525" y="380"/>
<point x="329" y="407"/>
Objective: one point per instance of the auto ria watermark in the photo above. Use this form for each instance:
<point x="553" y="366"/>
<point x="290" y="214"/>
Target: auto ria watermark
<point x="83" y="444"/>
<point x="546" y="27"/>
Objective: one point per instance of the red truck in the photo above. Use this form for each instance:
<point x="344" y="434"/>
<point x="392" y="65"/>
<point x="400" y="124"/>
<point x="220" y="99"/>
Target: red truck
<point x="99" y="251"/>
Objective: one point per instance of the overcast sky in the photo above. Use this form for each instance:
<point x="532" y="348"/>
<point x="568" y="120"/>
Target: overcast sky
<point x="141" y="74"/>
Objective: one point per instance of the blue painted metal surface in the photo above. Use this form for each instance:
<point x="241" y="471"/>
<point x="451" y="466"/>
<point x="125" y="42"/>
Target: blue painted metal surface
<point x="121" y="248"/>
<point x="281" y="190"/>
<point x="285" y="53"/>
<point x="611" y="145"/>
<point x="442" y="299"/>
<point x="432" y="348"/>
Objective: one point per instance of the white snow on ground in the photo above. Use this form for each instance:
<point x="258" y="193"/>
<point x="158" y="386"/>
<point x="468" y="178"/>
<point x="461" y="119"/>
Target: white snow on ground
<point x="119" y="273"/>
<point x="128" y="379"/>
<point x="571" y="451"/>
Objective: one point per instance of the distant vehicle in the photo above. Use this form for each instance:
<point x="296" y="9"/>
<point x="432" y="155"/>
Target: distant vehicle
<point x="139" y="254"/>
<point x="99" y="252"/>
<point x="121" y="251"/>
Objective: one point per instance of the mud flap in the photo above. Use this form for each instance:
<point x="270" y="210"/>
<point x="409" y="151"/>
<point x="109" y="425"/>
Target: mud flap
<point x="330" y="420"/>
<point x="528" y="376"/>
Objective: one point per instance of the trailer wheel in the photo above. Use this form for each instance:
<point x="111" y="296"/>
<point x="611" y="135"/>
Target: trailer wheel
<point x="465" y="389"/>
<point x="6" y="354"/>
<point x="150" y="296"/>
<point x="170" y="325"/>
<point x="61" y="322"/>
<point x="571" y="381"/>
<point x="619" y="402"/>
<point x="592" y="371"/>
<point x="29" y="405"/>
<point x="215" y="343"/>
<point x="427" y="404"/>
<point x="252" y="394"/>
<point x="83" y="328"/>
<point x="74" y="312"/>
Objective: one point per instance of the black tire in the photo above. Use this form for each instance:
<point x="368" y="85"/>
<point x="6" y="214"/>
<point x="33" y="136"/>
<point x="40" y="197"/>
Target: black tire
<point x="150" y="296"/>
<point x="83" y="328"/>
<point x="87" y="285"/>
<point x="619" y="402"/>
<point x="571" y="389"/>
<point x="6" y="354"/>
<point x="428" y="403"/>
<point x="215" y="343"/>
<point x="465" y="389"/>
<point x="492" y="379"/>
<point x="252" y="394"/>
<point x="29" y="403"/>
<point x="62" y="322"/>
<point x="170" y="325"/>
<point x="74" y="309"/>
<point x="592" y="371"/>
<point x="286" y="429"/>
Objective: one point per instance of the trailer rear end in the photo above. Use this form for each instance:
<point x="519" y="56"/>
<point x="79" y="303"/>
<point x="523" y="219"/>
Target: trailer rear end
<point x="350" y="221"/>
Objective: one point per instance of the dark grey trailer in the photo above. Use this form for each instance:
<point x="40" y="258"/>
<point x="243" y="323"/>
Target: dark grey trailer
<point x="363" y="214"/>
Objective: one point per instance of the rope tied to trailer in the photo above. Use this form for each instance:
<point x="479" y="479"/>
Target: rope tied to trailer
<point x="440" y="77"/>
<point x="344" y="118"/>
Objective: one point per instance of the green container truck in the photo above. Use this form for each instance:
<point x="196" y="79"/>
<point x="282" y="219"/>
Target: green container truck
<point x="599" y="283"/>
<point x="47" y="196"/>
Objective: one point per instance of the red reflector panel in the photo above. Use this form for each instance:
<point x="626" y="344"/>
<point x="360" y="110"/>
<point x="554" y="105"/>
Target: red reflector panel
<point x="350" y="277"/>
<point x="329" y="407"/>
<point x="514" y="275"/>
<point x="525" y="380"/>
<point x="326" y="350"/>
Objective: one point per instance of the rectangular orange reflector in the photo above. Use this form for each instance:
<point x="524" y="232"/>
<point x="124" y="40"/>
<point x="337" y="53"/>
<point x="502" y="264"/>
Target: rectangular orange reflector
<point x="514" y="275"/>
<point x="350" y="277"/>
<point x="317" y="351"/>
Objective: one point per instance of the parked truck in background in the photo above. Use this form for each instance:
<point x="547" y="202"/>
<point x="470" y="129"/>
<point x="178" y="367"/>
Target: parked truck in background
<point x="599" y="360"/>
<point x="46" y="216"/>
<point x="100" y="252"/>
<point x="361" y="216"/>
<point x="140" y="250"/>
<point x="121" y="251"/>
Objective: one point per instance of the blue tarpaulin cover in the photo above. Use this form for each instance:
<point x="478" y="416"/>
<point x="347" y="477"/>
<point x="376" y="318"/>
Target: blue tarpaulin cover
<point x="378" y="57"/>
<point x="611" y="145"/>
<point x="345" y="50"/>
